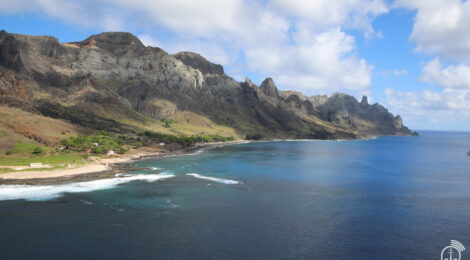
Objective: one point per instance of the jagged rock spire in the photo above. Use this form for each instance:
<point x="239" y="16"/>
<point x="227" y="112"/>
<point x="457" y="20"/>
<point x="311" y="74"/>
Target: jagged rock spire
<point x="269" y="88"/>
<point x="364" y="100"/>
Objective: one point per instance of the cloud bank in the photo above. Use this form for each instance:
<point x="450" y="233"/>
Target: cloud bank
<point x="441" y="29"/>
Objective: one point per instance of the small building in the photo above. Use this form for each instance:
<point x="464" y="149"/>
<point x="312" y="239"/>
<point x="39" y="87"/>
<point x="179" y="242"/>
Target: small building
<point x="162" y="144"/>
<point x="36" y="165"/>
<point x="110" y="152"/>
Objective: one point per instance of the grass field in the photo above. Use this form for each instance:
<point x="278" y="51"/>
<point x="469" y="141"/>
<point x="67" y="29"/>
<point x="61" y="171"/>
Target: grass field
<point x="53" y="160"/>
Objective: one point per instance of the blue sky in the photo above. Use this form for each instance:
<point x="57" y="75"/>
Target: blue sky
<point x="411" y="56"/>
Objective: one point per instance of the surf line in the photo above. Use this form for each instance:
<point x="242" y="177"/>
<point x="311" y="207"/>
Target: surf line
<point x="214" y="179"/>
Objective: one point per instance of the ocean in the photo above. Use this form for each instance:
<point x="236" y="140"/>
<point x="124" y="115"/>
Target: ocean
<point x="397" y="197"/>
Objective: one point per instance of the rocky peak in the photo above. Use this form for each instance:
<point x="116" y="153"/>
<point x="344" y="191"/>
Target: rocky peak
<point x="119" y="43"/>
<point x="198" y="62"/>
<point x="269" y="88"/>
<point x="398" y="124"/>
<point x="364" y="101"/>
<point x="249" y="83"/>
<point x="318" y="100"/>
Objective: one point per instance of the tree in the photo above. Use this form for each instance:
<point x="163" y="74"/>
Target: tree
<point x="37" y="151"/>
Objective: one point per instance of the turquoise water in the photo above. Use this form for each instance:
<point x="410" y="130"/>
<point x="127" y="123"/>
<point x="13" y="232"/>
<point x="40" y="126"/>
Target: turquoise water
<point x="388" y="198"/>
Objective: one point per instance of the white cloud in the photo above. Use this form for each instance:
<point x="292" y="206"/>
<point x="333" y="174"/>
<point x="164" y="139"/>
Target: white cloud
<point x="438" y="109"/>
<point x="314" y="61"/>
<point x="395" y="72"/>
<point x="452" y="76"/>
<point x="301" y="44"/>
<point x="326" y="13"/>
<point x="83" y="13"/>
<point x="441" y="27"/>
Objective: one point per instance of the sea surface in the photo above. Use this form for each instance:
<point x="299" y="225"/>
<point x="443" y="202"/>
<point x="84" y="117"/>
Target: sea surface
<point x="386" y="198"/>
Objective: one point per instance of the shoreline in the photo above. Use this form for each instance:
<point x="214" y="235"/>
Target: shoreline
<point x="97" y="170"/>
<point x="122" y="163"/>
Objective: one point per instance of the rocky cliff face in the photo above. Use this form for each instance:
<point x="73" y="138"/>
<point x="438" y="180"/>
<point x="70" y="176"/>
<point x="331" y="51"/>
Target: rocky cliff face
<point x="112" y="78"/>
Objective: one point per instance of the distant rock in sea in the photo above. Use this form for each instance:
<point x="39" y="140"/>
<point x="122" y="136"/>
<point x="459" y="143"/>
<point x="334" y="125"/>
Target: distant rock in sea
<point x="414" y="133"/>
<point x="468" y="153"/>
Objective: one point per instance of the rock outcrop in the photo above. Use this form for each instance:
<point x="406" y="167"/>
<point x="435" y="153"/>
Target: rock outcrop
<point x="112" y="80"/>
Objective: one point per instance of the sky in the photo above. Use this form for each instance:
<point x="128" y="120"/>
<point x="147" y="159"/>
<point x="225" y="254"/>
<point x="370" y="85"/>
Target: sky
<point x="412" y="56"/>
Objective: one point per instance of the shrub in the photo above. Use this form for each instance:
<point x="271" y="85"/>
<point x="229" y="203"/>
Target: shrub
<point x="255" y="136"/>
<point x="98" y="150"/>
<point x="104" y="133"/>
<point x="167" y="122"/>
<point x="37" y="151"/>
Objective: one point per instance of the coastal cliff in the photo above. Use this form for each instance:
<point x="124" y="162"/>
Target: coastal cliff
<point x="111" y="81"/>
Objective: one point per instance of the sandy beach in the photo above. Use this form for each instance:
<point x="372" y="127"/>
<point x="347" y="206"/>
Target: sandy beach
<point x="97" y="167"/>
<point x="20" y="175"/>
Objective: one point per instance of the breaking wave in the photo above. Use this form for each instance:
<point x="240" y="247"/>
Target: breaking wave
<point x="47" y="192"/>
<point x="219" y="180"/>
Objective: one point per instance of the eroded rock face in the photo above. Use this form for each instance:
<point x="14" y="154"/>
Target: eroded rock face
<point x="398" y="123"/>
<point x="115" y="75"/>
<point x="13" y="85"/>
<point x="198" y="62"/>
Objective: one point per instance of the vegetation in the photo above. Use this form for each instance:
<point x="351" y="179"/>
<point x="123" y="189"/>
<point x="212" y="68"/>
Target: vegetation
<point x="38" y="151"/>
<point x="167" y="122"/>
<point x="22" y="154"/>
<point x="104" y="142"/>
<point x="25" y="149"/>
<point x="57" y="143"/>
<point x="55" y="159"/>
<point x="101" y="143"/>
<point x="255" y="136"/>
<point x="184" y="140"/>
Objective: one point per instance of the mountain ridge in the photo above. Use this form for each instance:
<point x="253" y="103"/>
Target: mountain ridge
<point x="112" y="81"/>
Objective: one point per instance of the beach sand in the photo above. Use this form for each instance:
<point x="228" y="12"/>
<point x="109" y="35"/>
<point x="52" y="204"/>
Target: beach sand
<point x="20" y="175"/>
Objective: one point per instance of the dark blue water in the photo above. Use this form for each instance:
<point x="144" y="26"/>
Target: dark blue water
<point x="388" y="198"/>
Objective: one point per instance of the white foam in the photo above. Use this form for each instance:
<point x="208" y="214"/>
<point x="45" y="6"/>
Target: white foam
<point x="47" y="192"/>
<point x="219" y="180"/>
<point x="155" y="168"/>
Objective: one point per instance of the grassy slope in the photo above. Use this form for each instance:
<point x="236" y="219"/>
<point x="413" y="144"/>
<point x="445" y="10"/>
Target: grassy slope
<point x="189" y="123"/>
<point x="18" y="126"/>
<point x="184" y="122"/>
<point x="21" y="132"/>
